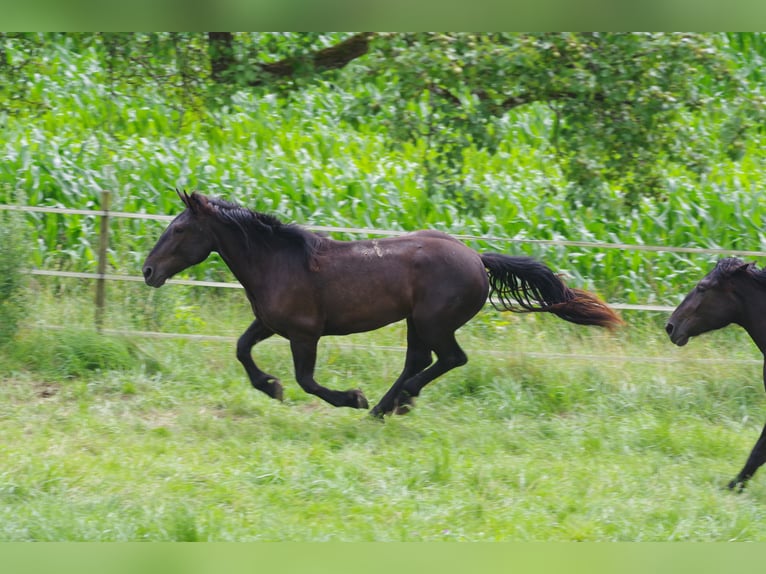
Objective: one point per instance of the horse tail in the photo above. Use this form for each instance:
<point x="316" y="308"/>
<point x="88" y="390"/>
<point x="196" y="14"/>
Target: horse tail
<point x="524" y="285"/>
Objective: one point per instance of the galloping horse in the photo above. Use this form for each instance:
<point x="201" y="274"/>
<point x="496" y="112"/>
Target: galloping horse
<point x="733" y="292"/>
<point x="303" y="286"/>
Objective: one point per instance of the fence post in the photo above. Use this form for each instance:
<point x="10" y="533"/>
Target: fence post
<point x="102" y="253"/>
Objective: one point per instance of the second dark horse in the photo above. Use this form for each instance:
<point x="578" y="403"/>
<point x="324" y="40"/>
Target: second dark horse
<point x="733" y="292"/>
<point x="303" y="286"/>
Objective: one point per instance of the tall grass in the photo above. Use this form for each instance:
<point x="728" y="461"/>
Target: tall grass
<point x="14" y="250"/>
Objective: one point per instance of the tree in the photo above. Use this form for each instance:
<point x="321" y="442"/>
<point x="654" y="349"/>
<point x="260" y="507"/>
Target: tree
<point x="224" y="66"/>
<point x="617" y="100"/>
<point x="619" y="103"/>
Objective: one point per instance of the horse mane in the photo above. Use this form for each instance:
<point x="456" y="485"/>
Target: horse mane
<point x="727" y="266"/>
<point x="266" y="228"/>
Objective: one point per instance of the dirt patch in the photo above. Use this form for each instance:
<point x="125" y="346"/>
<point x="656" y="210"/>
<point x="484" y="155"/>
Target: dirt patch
<point x="46" y="390"/>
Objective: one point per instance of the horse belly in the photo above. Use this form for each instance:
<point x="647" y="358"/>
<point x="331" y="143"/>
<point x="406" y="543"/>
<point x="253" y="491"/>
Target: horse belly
<point x="368" y="300"/>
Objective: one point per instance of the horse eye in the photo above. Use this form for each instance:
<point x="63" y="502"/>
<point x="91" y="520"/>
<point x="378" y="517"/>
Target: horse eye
<point x="178" y="229"/>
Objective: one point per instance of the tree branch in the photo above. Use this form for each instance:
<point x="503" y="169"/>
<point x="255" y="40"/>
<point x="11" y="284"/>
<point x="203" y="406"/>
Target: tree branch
<point x="220" y="47"/>
<point x="331" y="58"/>
<point x="510" y="102"/>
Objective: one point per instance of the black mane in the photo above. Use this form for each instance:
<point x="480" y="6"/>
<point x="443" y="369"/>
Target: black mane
<point x="266" y="228"/>
<point x="726" y="267"/>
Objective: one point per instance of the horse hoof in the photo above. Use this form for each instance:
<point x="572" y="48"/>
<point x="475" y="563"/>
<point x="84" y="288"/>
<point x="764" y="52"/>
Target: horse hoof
<point x="377" y="416"/>
<point x="377" y="413"/>
<point x="737" y="485"/>
<point x="359" y="401"/>
<point x="277" y="391"/>
<point x="403" y="409"/>
<point x="404" y="404"/>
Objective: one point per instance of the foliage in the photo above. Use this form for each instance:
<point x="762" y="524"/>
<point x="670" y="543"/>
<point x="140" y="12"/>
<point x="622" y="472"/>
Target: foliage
<point x="373" y="146"/>
<point x="617" y="102"/>
<point x="13" y="260"/>
<point x="60" y="355"/>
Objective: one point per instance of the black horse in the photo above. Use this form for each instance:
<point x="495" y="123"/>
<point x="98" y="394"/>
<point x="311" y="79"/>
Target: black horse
<point x="733" y="292"/>
<point x="303" y="286"/>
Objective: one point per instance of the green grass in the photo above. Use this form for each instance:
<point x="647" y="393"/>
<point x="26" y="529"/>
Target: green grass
<point x="175" y="445"/>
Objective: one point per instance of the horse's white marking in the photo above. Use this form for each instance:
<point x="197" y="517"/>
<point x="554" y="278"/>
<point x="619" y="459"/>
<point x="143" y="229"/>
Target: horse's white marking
<point x="375" y="251"/>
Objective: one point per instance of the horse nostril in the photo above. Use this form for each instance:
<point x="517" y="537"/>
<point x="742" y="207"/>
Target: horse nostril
<point x="148" y="272"/>
<point x="669" y="328"/>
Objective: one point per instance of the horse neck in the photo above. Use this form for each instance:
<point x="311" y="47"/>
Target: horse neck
<point x="257" y="264"/>
<point x="241" y="254"/>
<point x="753" y="316"/>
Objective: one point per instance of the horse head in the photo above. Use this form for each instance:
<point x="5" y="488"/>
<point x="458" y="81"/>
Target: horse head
<point x="185" y="242"/>
<point x="712" y="304"/>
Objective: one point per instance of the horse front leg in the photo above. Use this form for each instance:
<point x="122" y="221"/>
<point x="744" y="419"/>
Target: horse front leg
<point x="757" y="455"/>
<point x="754" y="461"/>
<point x="304" y="358"/>
<point x="264" y="382"/>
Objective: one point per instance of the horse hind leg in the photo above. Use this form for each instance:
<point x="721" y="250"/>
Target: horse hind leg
<point x="449" y="356"/>
<point x="304" y="358"/>
<point x="435" y="326"/>
<point x="417" y="359"/>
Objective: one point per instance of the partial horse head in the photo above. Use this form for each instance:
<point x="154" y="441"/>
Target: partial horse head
<point x="712" y="304"/>
<point x="185" y="242"/>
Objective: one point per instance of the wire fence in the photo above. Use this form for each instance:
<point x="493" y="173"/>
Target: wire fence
<point x="106" y="214"/>
<point x="394" y="232"/>
<point x="532" y="355"/>
<point x="101" y="276"/>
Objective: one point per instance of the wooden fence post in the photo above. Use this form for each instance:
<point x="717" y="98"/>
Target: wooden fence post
<point x="103" y="246"/>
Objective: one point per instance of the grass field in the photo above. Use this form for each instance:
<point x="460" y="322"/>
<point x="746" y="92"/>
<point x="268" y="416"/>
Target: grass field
<point x="114" y="439"/>
<point x="550" y="432"/>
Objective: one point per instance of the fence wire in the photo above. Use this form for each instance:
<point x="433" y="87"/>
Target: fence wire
<point x="388" y="232"/>
<point x="532" y="355"/>
<point x="394" y="232"/>
<point x="368" y="231"/>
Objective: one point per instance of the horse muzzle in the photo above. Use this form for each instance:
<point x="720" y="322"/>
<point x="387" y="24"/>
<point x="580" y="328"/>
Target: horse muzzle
<point x="677" y="336"/>
<point x="151" y="278"/>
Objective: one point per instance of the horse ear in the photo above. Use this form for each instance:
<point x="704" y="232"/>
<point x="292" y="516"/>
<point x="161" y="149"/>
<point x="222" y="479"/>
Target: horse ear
<point x="187" y="200"/>
<point x="198" y="202"/>
<point x="183" y="196"/>
<point x="744" y="267"/>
